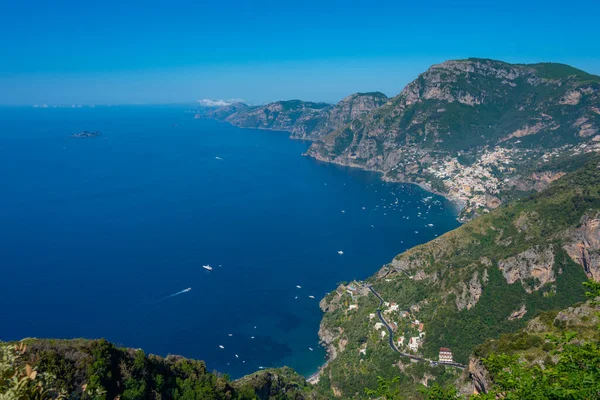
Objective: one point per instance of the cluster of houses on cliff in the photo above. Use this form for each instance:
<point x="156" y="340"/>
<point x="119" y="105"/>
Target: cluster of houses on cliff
<point x="410" y="326"/>
<point x="404" y="321"/>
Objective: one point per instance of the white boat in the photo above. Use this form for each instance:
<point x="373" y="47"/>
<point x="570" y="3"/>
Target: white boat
<point x="310" y="348"/>
<point x="299" y="287"/>
<point x="312" y="297"/>
<point x="207" y="267"/>
<point x="236" y="356"/>
<point x="340" y="252"/>
<point x="221" y="346"/>
<point x="251" y="337"/>
<point x="231" y="334"/>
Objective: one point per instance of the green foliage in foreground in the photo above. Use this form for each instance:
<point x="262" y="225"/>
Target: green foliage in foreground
<point x="576" y="375"/>
<point x="20" y="381"/>
<point x="96" y="369"/>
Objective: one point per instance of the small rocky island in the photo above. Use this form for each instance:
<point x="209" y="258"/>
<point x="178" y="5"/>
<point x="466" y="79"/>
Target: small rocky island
<point x="86" y="134"/>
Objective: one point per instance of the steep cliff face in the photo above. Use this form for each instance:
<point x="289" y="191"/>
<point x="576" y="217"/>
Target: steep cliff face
<point x="349" y="109"/>
<point x="458" y="105"/>
<point x="583" y="245"/>
<point x="469" y="128"/>
<point x="533" y="268"/>
<point x="300" y="118"/>
<point x="304" y="120"/>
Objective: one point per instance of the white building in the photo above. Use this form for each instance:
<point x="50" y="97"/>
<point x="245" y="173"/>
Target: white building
<point x="445" y="355"/>
<point x="414" y="343"/>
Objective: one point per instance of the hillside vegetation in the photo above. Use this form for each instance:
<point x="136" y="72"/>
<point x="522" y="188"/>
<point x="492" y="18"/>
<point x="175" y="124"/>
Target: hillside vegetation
<point x="486" y="278"/>
<point x="96" y="369"/>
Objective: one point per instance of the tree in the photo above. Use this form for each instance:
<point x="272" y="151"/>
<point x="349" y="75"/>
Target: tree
<point x="22" y="382"/>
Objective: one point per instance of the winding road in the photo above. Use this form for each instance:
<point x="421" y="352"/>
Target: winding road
<point x="391" y="338"/>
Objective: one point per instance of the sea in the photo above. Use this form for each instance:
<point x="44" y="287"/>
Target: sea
<point x="100" y="237"/>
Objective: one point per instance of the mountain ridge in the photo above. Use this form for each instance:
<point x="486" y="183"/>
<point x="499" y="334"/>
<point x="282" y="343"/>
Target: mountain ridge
<point x="463" y="119"/>
<point x="478" y="131"/>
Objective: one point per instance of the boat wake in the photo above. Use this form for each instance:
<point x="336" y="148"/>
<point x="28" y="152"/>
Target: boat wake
<point x="176" y="294"/>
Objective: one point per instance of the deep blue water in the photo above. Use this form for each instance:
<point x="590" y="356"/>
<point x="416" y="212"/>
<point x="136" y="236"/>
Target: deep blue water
<point x="95" y="232"/>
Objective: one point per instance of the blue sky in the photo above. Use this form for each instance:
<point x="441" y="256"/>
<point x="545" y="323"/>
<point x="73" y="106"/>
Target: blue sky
<point x="109" y="52"/>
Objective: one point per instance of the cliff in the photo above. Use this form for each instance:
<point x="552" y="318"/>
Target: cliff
<point x="476" y="130"/>
<point x="303" y="119"/>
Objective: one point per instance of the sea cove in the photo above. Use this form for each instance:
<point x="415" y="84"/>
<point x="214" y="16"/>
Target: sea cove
<point x="112" y="225"/>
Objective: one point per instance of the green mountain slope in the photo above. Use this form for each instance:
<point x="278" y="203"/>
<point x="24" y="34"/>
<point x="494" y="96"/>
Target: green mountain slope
<point x="486" y="278"/>
<point x="472" y="128"/>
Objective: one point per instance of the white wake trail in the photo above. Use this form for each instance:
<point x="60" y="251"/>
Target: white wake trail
<point x="176" y="294"/>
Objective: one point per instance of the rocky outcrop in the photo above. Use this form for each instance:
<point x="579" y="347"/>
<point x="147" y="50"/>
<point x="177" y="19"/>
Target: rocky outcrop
<point x="470" y="294"/>
<point x="534" y="263"/>
<point x="479" y="378"/>
<point x="349" y="109"/>
<point x="464" y="109"/>
<point x="303" y="119"/>
<point x="327" y="337"/>
<point x="583" y="245"/>
<point x="222" y="112"/>
<point x="300" y="118"/>
<point x="518" y="314"/>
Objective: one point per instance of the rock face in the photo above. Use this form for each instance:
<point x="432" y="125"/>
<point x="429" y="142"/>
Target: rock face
<point x="584" y="246"/>
<point x="466" y="128"/>
<point x="436" y="109"/>
<point x="349" y="109"/>
<point x="300" y="118"/>
<point x="535" y="263"/>
<point x="304" y="120"/>
<point x="480" y="381"/>
<point x="518" y="314"/>
<point x="470" y="294"/>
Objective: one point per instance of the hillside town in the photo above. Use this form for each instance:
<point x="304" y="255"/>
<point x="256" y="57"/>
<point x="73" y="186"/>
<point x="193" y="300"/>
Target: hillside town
<point x="401" y="328"/>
